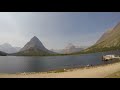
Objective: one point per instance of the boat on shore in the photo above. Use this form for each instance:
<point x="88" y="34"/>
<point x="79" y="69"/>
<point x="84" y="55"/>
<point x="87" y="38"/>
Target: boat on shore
<point x="110" y="57"/>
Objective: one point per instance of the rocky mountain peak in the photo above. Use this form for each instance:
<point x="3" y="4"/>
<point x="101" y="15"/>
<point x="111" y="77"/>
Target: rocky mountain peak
<point x="34" y="39"/>
<point x="34" y="43"/>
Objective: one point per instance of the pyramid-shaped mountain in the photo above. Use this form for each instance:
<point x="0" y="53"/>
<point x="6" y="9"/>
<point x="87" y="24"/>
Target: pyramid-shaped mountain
<point x="34" y="48"/>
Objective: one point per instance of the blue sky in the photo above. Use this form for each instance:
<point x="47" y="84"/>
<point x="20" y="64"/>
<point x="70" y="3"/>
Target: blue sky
<point x="55" y="29"/>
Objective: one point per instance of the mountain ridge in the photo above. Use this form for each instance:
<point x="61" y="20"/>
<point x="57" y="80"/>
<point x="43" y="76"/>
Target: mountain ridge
<point x="70" y="48"/>
<point x="34" y="48"/>
<point x="110" y="40"/>
<point x="3" y="53"/>
<point x="8" y="48"/>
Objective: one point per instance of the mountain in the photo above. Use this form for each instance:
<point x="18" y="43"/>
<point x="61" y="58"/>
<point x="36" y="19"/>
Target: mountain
<point x="8" y="48"/>
<point x="60" y="51"/>
<point x="17" y="48"/>
<point x="104" y="36"/>
<point x="70" y="48"/>
<point x="34" y="48"/>
<point x="110" y="40"/>
<point x="3" y="53"/>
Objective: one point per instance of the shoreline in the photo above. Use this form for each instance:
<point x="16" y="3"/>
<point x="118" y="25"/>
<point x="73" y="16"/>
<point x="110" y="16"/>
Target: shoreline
<point x="98" y="71"/>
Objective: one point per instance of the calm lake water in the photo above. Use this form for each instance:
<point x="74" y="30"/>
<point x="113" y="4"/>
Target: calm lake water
<point x="15" y="64"/>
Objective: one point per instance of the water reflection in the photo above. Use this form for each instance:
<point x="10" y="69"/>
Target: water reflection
<point x="14" y="64"/>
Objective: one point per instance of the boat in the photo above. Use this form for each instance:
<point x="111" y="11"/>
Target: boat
<point x="109" y="57"/>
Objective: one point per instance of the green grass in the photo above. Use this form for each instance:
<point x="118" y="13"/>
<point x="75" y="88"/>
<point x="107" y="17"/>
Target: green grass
<point x="57" y="71"/>
<point x="114" y="75"/>
<point x="100" y="49"/>
<point x="92" y="49"/>
<point x="38" y="54"/>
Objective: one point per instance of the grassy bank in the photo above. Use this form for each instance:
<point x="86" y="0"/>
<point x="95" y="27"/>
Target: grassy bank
<point x="114" y="75"/>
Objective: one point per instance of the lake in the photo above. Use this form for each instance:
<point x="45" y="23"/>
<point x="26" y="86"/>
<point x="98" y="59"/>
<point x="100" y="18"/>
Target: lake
<point x="15" y="64"/>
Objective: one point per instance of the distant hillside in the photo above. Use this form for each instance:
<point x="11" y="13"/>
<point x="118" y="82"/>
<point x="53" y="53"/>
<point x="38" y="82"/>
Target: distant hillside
<point x="17" y="48"/>
<point x="70" y="48"/>
<point x="34" y="48"/>
<point x="6" y="47"/>
<point x="32" y="52"/>
<point x="3" y="53"/>
<point x="110" y="40"/>
<point x="104" y="36"/>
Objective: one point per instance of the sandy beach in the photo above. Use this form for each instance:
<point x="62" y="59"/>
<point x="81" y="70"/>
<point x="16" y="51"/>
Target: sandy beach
<point x="87" y="72"/>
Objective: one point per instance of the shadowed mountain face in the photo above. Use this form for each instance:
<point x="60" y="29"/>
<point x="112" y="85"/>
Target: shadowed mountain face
<point x="104" y="36"/>
<point x="3" y="53"/>
<point x="34" y="43"/>
<point x="110" y="40"/>
<point x="34" y="47"/>
<point x="8" y="48"/>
